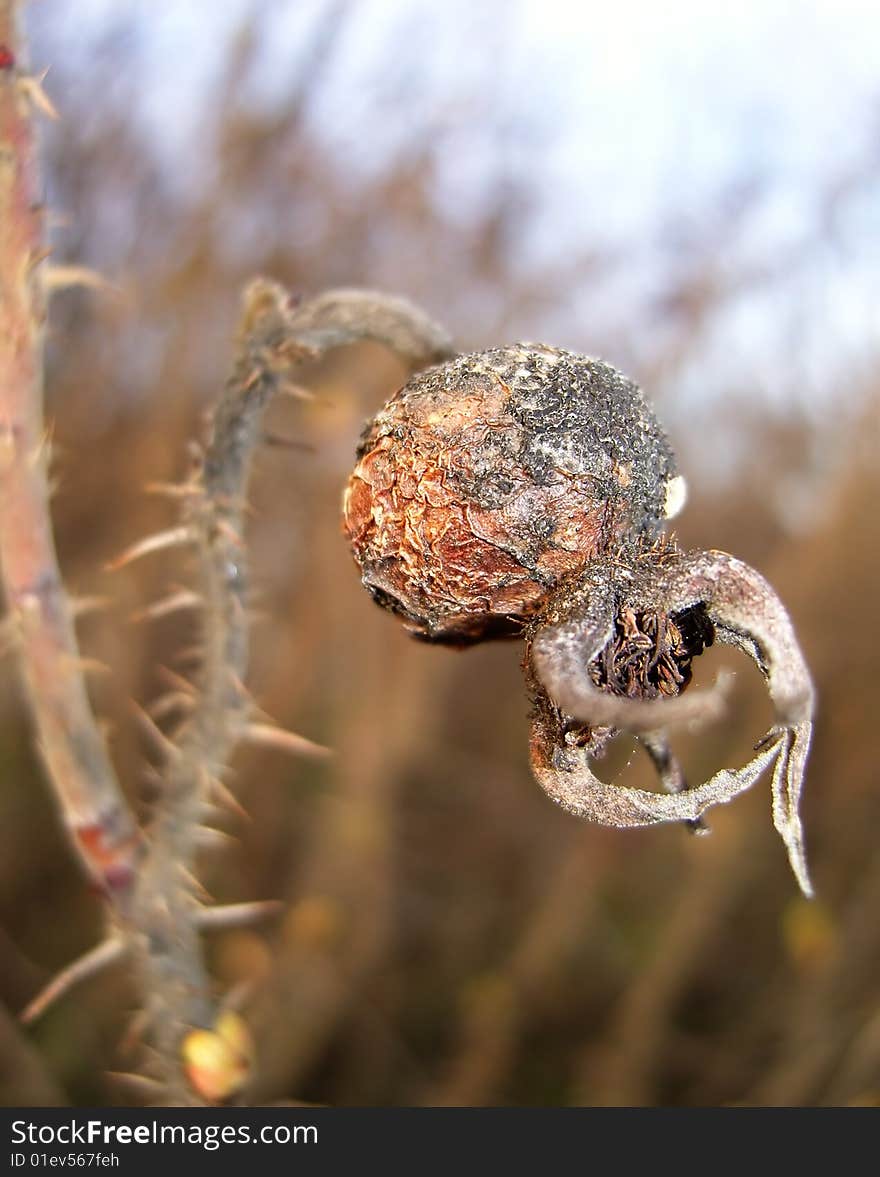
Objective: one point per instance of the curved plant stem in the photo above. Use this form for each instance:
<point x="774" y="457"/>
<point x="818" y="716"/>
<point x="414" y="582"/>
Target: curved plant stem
<point x="275" y="337"/>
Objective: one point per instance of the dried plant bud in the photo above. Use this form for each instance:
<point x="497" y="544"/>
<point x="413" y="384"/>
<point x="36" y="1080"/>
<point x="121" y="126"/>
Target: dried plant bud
<point x="218" y="1062"/>
<point x="487" y="480"/>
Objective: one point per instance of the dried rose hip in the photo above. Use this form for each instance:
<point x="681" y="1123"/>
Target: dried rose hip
<point x="524" y="490"/>
<point x="486" y="480"/>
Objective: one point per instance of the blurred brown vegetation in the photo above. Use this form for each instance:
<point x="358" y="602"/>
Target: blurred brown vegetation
<point x="449" y="936"/>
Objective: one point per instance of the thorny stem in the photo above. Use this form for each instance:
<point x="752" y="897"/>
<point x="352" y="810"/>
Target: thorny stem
<point x="100" y="823"/>
<point x="275" y="337"/>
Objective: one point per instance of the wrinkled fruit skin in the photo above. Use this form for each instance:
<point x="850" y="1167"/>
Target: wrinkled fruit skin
<point x="487" y="480"/>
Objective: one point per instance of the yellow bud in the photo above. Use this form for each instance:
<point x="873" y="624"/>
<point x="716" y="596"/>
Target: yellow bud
<point x="218" y="1062"/>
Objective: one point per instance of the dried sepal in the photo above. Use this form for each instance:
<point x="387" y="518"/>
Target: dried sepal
<point x="565" y="775"/>
<point x="743" y="611"/>
<point x="562" y="655"/>
<point x="787" y="783"/>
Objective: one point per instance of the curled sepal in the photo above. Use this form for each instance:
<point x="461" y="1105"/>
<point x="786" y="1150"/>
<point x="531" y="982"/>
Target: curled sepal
<point x="788" y="777"/>
<point x="741" y="610"/>
<point x="561" y="655"/>
<point x="564" y="773"/>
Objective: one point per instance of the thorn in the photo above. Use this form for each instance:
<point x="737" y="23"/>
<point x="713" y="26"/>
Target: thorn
<point x="232" y="504"/>
<point x="239" y="685"/>
<point x="275" y="441"/>
<point x="39" y="255"/>
<point x="138" y="1084"/>
<point x="174" y="490"/>
<point x="31" y="88"/>
<point x="83" y="606"/>
<point x="226" y="529"/>
<point x="194" y="883"/>
<point x="84" y="665"/>
<point x="173" y="537"/>
<point x="176" y="733"/>
<point x="176" y="602"/>
<point x="65" y="277"/>
<point x="210" y="813"/>
<point x="225" y="797"/>
<point x="191" y="655"/>
<point x="252" y="380"/>
<point x="170" y="702"/>
<point x="296" y="391"/>
<point x="269" y="736"/>
<point x="177" y="681"/>
<point x="210" y="838"/>
<point x="237" y="915"/>
<point x="167" y="749"/>
<point x="91" y="962"/>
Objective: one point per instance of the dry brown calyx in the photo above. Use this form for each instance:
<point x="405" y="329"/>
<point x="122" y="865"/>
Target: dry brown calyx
<point x="615" y="656"/>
